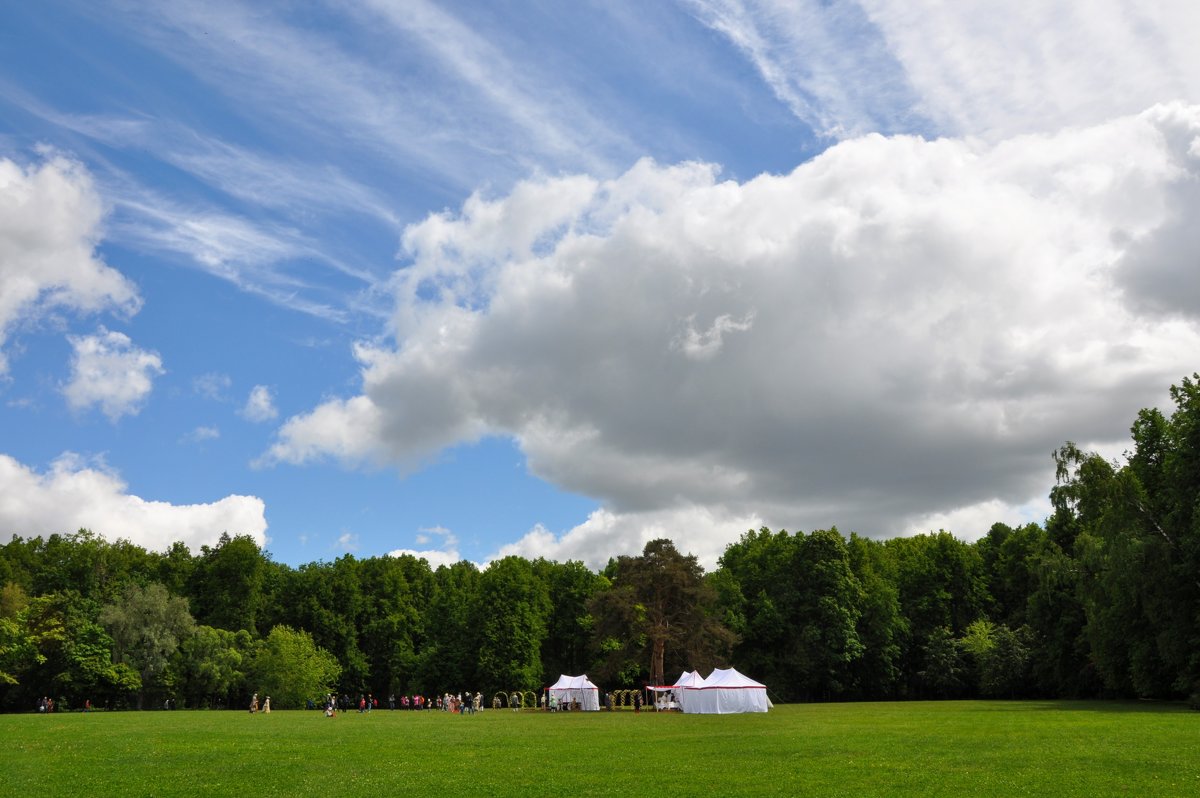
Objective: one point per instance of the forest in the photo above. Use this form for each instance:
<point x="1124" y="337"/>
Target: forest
<point x="1102" y="600"/>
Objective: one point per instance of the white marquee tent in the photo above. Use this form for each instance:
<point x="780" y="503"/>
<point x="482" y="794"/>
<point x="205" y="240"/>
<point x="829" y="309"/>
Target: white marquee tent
<point x="576" y="689"/>
<point x="672" y="696"/>
<point x="724" y="692"/>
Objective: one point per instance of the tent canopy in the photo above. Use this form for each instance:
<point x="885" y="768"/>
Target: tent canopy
<point x="576" y="690"/>
<point x="676" y="695"/>
<point x="729" y="677"/>
<point x="724" y="692"/>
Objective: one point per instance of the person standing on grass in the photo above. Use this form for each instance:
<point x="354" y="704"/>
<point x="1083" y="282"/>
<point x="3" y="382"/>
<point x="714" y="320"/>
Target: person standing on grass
<point x="267" y="706"/>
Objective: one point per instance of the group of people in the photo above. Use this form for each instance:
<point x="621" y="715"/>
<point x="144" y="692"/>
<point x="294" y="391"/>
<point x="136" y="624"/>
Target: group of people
<point x="266" y="705"/>
<point x="463" y="704"/>
<point x="46" y="704"/>
<point x="408" y="702"/>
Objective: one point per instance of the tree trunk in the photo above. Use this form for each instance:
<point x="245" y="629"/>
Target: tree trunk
<point x="656" y="661"/>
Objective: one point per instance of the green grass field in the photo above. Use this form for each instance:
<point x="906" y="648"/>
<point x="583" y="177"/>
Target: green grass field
<point x="946" y="748"/>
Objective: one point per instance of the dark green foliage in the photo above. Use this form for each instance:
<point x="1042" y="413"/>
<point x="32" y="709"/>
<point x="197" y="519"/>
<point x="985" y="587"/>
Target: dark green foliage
<point x="881" y="626"/>
<point x="1137" y="547"/>
<point x="942" y="589"/>
<point x="213" y="666"/>
<point x="147" y="626"/>
<point x="390" y="620"/>
<point x="943" y="672"/>
<point x="226" y="584"/>
<point x="802" y="603"/>
<point x="72" y="654"/>
<point x="660" y="613"/>
<point x="512" y="611"/>
<point x="566" y="648"/>
<point x="1103" y="599"/>
<point x="449" y="658"/>
<point x="291" y="670"/>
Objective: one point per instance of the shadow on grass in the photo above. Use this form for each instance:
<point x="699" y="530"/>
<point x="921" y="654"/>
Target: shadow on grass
<point x="1124" y="706"/>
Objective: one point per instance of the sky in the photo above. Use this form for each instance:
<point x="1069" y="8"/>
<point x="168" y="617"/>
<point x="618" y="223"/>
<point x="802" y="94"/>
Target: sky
<point x="475" y="279"/>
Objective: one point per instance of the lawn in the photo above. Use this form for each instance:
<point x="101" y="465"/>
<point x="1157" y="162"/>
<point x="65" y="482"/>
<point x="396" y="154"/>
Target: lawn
<point x="947" y="748"/>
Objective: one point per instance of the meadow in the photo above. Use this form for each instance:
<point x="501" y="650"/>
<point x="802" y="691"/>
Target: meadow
<point x="999" y="748"/>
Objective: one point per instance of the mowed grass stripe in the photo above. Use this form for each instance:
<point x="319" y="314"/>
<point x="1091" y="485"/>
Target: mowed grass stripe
<point x="913" y="748"/>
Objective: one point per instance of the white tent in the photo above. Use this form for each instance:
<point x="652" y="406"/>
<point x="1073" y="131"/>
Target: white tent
<point x="724" y="692"/>
<point x="576" y="689"/>
<point x="672" y="696"/>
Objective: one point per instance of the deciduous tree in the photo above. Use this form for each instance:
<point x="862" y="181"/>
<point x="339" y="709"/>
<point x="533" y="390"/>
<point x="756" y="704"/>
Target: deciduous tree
<point x="147" y="625"/>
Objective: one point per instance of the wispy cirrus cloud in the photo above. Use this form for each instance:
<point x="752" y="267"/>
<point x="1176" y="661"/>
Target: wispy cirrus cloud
<point x="825" y="61"/>
<point x="993" y="68"/>
<point x="266" y="259"/>
<point x="289" y="185"/>
<point x="253" y="238"/>
<point x="387" y="94"/>
<point x="999" y="68"/>
<point x="538" y="110"/>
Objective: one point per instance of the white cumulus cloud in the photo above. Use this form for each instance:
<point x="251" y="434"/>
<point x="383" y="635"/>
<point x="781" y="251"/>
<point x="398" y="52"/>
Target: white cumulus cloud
<point x="73" y="494"/>
<point x="50" y="223"/>
<point x="108" y="371"/>
<point x="260" y="405"/>
<point x="701" y="531"/>
<point x="201" y="434"/>
<point x="445" y="554"/>
<point x="212" y="385"/>
<point x="894" y="331"/>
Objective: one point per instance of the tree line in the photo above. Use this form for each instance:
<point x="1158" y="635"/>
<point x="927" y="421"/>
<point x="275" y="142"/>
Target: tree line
<point x="1103" y="599"/>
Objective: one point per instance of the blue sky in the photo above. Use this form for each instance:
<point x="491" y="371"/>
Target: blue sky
<point x="554" y="279"/>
